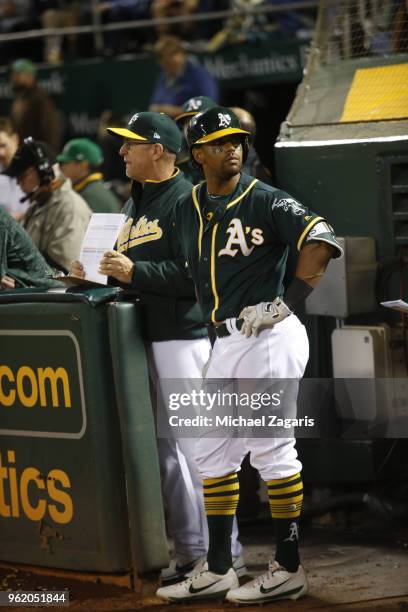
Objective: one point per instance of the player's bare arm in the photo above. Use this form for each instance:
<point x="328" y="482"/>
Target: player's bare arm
<point x="313" y="261"/>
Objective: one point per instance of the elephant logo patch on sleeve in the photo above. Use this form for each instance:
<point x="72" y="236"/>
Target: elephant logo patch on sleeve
<point x="289" y="204"/>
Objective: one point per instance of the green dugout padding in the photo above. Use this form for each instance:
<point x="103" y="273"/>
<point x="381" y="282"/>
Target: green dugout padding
<point x="146" y="519"/>
<point x="64" y="498"/>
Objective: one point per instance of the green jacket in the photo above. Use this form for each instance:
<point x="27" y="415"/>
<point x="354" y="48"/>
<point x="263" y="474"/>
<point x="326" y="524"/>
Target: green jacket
<point x="19" y="257"/>
<point x="98" y="197"/>
<point x="160" y="275"/>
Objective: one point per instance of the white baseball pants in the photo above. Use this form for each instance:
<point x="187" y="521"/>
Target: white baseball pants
<point x="280" y="352"/>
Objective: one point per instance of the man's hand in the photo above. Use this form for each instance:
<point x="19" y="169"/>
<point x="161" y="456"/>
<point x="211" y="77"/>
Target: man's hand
<point x="263" y="315"/>
<point x="77" y="269"/>
<point x="118" y="266"/>
<point x="7" y="282"/>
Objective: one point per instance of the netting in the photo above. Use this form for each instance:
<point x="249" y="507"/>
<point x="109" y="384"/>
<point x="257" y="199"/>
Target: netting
<point x="362" y="28"/>
<point x="358" y="65"/>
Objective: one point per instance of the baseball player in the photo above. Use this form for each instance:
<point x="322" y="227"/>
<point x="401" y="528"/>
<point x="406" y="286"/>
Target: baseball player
<point x="191" y="107"/>
<point x="235" y="233"/>
<point x="148" y="260"/>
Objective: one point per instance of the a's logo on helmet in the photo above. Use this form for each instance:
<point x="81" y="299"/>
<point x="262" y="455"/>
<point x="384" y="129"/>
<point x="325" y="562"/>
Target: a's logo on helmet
<point x="224" y="120"/>
<point x="132" y="119"/>
<point x="194" y="105"/>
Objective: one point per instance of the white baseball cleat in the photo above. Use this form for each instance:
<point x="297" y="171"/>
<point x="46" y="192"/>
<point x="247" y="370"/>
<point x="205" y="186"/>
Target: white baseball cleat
<point x="238" y="565"/>
<point x="175" y="572"/>
<point x="204" y="585"/>
<point x="275" y="584"/>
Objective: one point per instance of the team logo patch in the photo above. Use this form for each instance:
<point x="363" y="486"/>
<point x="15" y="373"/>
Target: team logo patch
<point x="194" y="105"/>
<point x="288" y="204"/>
<point x="143" y="231"/>
<point x="237" y="239"/>
<point x="156" y="135"/>
<point x="294" y="533"/>
<point x="224" y="119"/>
<point x="134" y="118"/>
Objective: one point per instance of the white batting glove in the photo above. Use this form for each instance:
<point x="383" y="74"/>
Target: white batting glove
<point x="263" y="315"/>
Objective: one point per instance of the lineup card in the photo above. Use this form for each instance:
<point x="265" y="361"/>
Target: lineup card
<point x="399" y="305"/>
<point x="102" y="232"/>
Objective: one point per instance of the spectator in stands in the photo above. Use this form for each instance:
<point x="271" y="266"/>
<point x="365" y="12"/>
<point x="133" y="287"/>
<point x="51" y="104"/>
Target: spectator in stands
<point x="57" y="217"/>
<point x="400" y="27"/>
<point x="13" y="14"/>
<point x="292" y="21"/>
<point x="172" y="8"/>
<point x="185" y="8"/>
<point x="253" y="164"/>
<point x="10" y="192"/>
<point x="55" y="14"/>
<point x="123" y="10"/>
<point x="32" y="111"/>
<point x="182" y="77"/>
<point x="21" y="263"/>
<point x="80" y="161"/>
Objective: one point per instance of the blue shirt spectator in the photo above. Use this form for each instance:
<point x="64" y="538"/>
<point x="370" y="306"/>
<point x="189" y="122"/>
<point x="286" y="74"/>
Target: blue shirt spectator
<point x="182" y="77"/>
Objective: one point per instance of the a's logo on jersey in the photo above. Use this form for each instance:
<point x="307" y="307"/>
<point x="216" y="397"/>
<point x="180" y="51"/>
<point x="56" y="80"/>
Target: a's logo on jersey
<point x="237" y="238"/>
<point x="193" y="105"/>
<point x="289" y="204"/>
<point x="143" y="231"/>
<point x="224" y="120"/>
<point x="133" y="118"/>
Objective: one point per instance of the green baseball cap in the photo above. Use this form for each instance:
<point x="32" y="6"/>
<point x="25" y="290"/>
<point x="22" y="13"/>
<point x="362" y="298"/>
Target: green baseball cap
<point x="195" y="105"/>
<point x="81" y="149"/>
<point x="23" y="65"/>
<point x="151" y="128"/>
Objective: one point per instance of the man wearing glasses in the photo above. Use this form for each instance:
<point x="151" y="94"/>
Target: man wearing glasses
<point x="148" y="260"/>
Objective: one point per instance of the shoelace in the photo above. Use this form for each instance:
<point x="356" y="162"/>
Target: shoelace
<point x="266" y="576"/>
<point x="189" y="580"/>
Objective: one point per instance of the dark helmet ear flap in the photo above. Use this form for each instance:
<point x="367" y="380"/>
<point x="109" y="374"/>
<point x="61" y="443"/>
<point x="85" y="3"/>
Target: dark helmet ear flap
<point x="193" y="162"/>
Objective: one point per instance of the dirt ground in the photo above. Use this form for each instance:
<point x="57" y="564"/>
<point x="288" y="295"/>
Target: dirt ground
<point x="348" y="569"/>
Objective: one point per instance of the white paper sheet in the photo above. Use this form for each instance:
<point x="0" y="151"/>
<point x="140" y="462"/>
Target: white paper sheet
<point x="399" y="305"/>
<point x="101" y="235"/>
